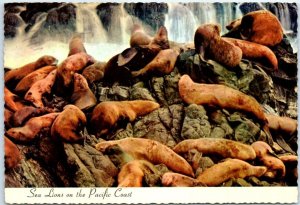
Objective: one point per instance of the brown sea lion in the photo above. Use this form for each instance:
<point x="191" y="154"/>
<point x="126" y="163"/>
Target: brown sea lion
<point x="76" y="45"/>
<point x="12" y="156"/>
<point x="36" y="91"/>
<point x="21" y="72"/>
<point x="178" y="180"/>
<point x="160" y="41"/>
<point x="261" y="27"/>
<point x="285" y="124"/>
<point x="12" y="101"/>
<point x="31" y="78"/>
<point x="207" y="41"/>
<point x="7" y="118"/>
<point x="255" y="51"/>
<point x="27" y="112"/>
<point x="106" y="114"/>
<point x="94" y="72"/>
<point x="71" y="65"/>
<point x="163" y="63"/>
<point x="150" y="150"/>
<point x="31" y="128"/>
<point x="139" y="37"/>
<point x="217" y="146"/>
<point x="230" y="168"/>
<point x="265" y="155"/>
<point x="234" y="24"/>
<point x="82" y="96"/>
<point x="219" y="95"/>
<point x="68" y="124"/>
<point x="133" y="172"/>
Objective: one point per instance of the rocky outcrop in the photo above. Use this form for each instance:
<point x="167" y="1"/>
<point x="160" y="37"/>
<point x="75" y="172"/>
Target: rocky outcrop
<point x="150" y="13"/>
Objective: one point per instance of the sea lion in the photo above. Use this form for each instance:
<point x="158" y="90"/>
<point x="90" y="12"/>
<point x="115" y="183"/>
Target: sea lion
<point x="284" y="124"/>
<point x="12" y="101"/>
<point x="139" y="37"/>
<point x="27" y="112"/>
<point x="82" y="96"/>
<point x="178" y="180"/>
<point x="76" y="45"/>
<point x="219" y="95"/>
<point x="94" y="72"/>
<point x="21" y="72"/>
<point x="160" y="41"/>
<point x="71" y="65"/>
<point x="230" y="168"/>
<point x="217" y="146"/>
<point x="7" y="118"/>
<point x="36" y="91"/>
<point x="265" y="154"/>
<point x="106" y="114"/>
<point x="255" y="51"/>
<point x="31" y="78"/>
<point x="261" y="27"/>
<point x="234" y="24"/>
<point x="163" y="63"/>
<point x="208" y="42"/>
<point x="133" y="172"/>
<point x="68" y="124"/>
<point x="150" y="150"/>
<point x="31" y="128"/>
<point x="12" y="156"/>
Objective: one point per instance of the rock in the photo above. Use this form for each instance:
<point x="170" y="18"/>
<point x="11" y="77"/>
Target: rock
<point x="123" y="132"/>
<point x="11" y="22"/>
<point x="139" y="92"/>
<point x="246" y="132"/>
<point x="29" y="174"/>
<point x="33" y="8"/>
<point x="195" y="124"/>
<point x="90" y="167"/>
<point x="171" y="88"/>
<point x="241" y="182"/>
<point x="222" y="128"/>
<point x="158" y="88"/>
<point x="249" y="7"/>
<point x="60" y="23"/>
<point x="13" y="7"/>
<point x="152" y="14"/>
<point x="151" y="127"/>
<point x="154" y="179"/>
<point x="109" y="16"/>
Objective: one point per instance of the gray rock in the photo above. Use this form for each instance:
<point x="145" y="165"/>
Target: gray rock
<point x="195" y="124"/>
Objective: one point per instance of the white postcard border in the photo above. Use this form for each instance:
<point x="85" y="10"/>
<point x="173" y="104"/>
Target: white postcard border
<point x="152" y="195"/>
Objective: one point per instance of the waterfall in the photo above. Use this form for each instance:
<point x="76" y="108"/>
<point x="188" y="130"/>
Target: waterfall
<point x="180" y="23"/>
<point x="102" y="42"/>
<point x="88" y="22"/>
<point x="284" y="17"/>
<point x="183" y="19"/>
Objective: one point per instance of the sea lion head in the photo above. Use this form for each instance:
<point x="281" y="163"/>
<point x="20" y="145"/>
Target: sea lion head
<point x="205" y="34"/>
<point x="46" y="60"/>
<point x="234" y="24"/>
<point x="80" y="83"/>
<point x="160" y="40"/>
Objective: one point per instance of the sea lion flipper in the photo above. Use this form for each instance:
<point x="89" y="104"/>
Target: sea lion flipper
<point x="126" y="56"/>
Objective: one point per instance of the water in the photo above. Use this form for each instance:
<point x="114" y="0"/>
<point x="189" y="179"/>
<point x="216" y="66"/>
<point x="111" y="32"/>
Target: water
<point x="181" y="22"/>
<point x="88" y="22"/>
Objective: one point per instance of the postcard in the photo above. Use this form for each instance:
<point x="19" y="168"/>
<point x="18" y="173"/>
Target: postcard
<point x="150" y="102"/>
